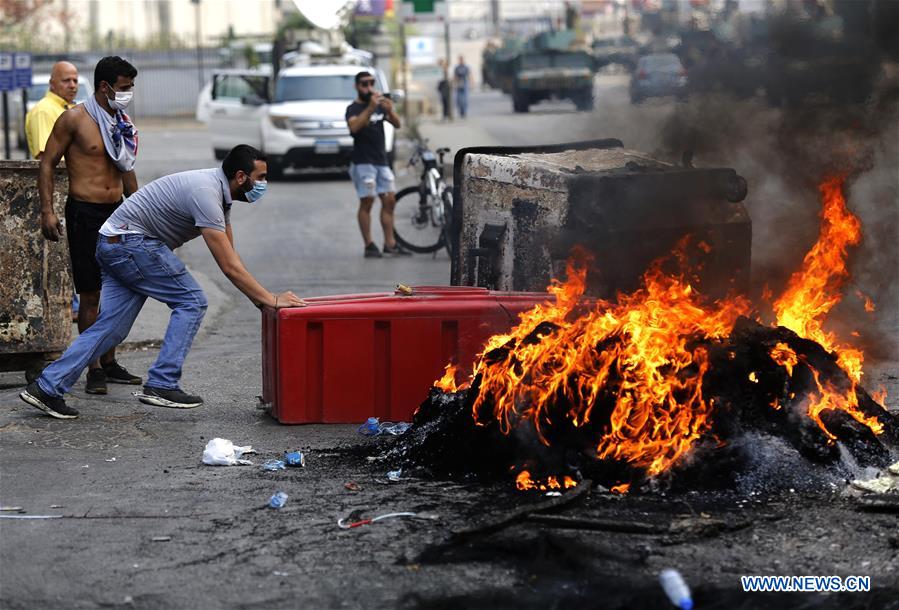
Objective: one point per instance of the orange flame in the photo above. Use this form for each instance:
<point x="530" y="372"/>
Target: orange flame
<point x="813" y="290"/>
<point x="869" y="304"/>
<point x="447" y="383"/>
<point x="810" y="295"/>
<point x="659" y="408"/>
<point x="639" y="353"/>
<point x="524" y="482"/>
<point x="784" y="355"/>
<point x="829" y="398"/>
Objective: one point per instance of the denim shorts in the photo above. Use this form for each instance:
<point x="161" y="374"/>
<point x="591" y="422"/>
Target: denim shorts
<point x="371" y="180"/>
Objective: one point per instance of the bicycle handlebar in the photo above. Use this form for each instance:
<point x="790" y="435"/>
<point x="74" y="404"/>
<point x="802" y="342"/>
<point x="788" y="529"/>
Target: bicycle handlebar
<point x="422" y="147"/>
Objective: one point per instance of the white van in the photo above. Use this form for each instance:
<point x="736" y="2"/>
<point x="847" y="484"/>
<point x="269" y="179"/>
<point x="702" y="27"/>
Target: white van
<point x="40" y="84"/>
<point x="299" y="122"/>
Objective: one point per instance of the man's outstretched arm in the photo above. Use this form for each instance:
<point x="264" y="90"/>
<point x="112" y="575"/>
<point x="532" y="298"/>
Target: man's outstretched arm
<point x="231" y="265"/>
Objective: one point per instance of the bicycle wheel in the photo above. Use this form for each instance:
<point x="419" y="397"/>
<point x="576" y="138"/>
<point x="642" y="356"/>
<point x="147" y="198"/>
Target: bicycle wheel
<point x="448" y="221"/>
<point x="416" y="221"/>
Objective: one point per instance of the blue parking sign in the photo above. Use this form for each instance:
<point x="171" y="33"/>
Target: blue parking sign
<point x="7" y="72"/>
<point x="22" y="69"/>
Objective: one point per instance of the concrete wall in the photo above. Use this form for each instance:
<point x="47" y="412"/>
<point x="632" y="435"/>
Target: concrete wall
<point x="36" y="290"/>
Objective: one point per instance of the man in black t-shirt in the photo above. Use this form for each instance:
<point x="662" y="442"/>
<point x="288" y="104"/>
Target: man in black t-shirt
<point x="369" y="167"/>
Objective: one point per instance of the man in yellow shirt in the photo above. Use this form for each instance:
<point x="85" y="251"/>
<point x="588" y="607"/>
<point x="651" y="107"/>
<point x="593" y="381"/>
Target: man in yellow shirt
<point x="40" y="120"/>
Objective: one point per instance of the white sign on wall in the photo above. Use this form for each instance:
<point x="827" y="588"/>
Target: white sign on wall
<point x="421" y="50"/>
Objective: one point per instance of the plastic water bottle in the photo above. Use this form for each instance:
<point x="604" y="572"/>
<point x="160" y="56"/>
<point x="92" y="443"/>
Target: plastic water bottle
<point x="278" y="500"/>
<point x="371" y="427"/>
<point x="676" y="589"/>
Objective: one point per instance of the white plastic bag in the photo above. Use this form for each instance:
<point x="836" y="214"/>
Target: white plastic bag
<point x="222" y="452"/>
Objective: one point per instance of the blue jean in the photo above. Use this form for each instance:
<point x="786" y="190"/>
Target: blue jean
<point x="135" y="268"/>
<point x="462" y="101"/>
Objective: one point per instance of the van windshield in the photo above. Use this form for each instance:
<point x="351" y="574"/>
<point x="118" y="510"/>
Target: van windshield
<point x="325" y="87"/>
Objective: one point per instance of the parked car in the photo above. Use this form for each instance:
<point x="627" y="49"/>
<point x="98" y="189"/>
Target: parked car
<point x="620" y="50"/>
<point x="658" y="75"/>
<point x="298" y="121"/>
<point x="40" y="84"/>
<point x="251" y="76"/>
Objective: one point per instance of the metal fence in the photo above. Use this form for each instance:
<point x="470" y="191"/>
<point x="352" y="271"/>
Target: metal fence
<point x="167" y="84"/>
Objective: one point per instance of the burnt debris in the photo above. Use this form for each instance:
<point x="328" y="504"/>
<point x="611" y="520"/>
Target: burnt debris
<point x="752" y="395"/>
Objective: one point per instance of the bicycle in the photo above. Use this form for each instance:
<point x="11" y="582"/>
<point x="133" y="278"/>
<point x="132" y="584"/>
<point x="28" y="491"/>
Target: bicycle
<point x="430" y="220"/>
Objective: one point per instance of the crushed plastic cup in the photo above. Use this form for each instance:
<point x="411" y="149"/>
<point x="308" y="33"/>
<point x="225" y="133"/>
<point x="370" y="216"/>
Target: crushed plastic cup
<point x="273" y="465"/>
<point x="395" y="429"/>
<point x="295" y="458"/>
<point x="374" y="427"/>
<point x="278" y="500"/>
<point x="395" y="475"/>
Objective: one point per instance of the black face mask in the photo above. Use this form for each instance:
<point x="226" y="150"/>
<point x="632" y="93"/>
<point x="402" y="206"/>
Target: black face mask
<point x="365" y="97"/>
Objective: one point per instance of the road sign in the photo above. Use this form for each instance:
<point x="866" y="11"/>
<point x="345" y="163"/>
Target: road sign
<point x="421" y="51"/>
<point x="7" y="72"/>
<point x="22" y="69"/>
<point x="423" y="10"/>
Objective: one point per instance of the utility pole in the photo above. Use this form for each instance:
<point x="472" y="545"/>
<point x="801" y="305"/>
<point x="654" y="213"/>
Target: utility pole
<point x="196" y="4"/>
<point x="66" y="18"/>
<point x="7" y="148"/>
<point x="449" y="63"/>
<point x="626" y="26"/>
<point x="405" y="69"/>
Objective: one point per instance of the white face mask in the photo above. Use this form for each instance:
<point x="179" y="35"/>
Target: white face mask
<point x="122" y="99"/>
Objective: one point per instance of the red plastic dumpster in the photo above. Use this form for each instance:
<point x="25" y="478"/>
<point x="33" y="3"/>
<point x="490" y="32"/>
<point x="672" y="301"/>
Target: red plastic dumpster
<point x="345" y="358"/>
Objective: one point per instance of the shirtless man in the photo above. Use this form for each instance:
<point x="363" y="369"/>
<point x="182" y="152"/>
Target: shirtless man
<point x="100" y="167"/>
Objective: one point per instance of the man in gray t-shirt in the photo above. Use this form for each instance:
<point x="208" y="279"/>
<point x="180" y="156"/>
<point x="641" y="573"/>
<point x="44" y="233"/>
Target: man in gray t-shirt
<point x="174" y="208"/>
<point x="135" y="253"/>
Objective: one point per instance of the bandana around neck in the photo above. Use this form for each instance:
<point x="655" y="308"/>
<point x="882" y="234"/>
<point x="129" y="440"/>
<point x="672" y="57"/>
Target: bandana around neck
<point x="119" y="134"/>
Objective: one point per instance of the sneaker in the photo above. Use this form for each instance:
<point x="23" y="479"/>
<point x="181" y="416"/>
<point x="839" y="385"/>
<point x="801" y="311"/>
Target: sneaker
<point x="96" y="382"/>
<point x="52" y="406"/>
<point x="169" y="398"/>
<point x="396" y="250"/>
<point x="116" y="373"/>
<point x="371" y="251"/>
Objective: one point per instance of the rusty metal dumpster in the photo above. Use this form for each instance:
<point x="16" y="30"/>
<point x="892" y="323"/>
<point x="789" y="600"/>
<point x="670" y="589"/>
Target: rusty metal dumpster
<point x="518" y="211"/>
<point x="35" y="278"/>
